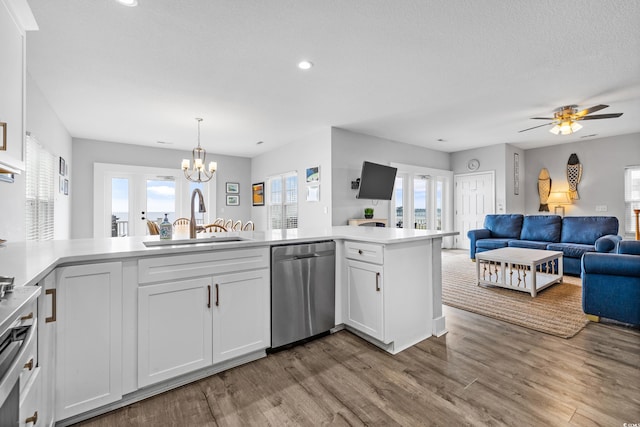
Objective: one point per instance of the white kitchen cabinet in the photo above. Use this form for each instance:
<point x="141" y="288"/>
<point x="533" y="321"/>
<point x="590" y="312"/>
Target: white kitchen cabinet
<point x="89" y="337"/>
<point x="47" y="325"/>
<point x="174" y="329"/>
<point x="241" y="314"/>
<point x="387" y="292"/>
<point x="365" y="298"/>
<point x="30" y="401"/>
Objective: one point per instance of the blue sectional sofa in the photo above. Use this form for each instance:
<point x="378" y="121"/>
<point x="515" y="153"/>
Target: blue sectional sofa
<point x="611" y="283"/>
<point x="572" y="235"/>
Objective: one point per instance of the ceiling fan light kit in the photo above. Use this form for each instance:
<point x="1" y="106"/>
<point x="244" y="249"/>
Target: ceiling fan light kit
<point x="565" y="119"/>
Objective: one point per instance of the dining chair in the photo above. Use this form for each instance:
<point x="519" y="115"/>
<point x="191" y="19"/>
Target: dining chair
<point x="248" y="226"/>
<point x="181" y="221"/>
<point x="237" y="226"/>
<point x="219" y="221"/>
<point x="154" y="230"/>
<point x="214" y="228"/>
<point x="228" y="224"/>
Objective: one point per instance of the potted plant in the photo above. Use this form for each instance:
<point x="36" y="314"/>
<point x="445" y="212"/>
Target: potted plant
<point x="368" y="213"/>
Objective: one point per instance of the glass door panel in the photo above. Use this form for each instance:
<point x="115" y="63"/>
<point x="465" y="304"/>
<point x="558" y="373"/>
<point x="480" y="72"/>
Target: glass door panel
<point x="160" y="199"/>
<point x="119" y="207"/>
<point x="398" y="194"/>
<point x="420" y="203"/>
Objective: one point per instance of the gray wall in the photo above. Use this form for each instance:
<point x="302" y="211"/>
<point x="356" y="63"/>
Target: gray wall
<point x="603" y="161"/>
<point x="305" y="152"/>
<point x="87" y="152"/>
<point x="350" y="149"/>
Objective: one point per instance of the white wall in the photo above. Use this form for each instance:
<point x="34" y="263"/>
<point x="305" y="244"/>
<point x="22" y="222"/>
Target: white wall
<point x="307" y="151"/>
<point x="603" y="161"/>
<point x="44" y="124"/>
<point x="87" y="152"/>
<point x="350" y="149"/>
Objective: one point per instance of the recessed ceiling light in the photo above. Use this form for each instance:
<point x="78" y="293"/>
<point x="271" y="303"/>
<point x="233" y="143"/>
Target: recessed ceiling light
<point x="130" y="3"/>
<point x="305" y="65"/>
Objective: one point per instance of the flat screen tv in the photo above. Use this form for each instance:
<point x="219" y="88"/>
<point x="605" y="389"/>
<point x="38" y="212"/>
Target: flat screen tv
<point x="376" y="181"/>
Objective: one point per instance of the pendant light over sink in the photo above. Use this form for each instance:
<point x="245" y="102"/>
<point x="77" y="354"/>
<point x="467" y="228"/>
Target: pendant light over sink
<point x="198" y="173"/>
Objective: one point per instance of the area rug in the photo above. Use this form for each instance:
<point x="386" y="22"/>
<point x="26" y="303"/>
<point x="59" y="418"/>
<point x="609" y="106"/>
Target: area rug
<point x="556" y="310"/>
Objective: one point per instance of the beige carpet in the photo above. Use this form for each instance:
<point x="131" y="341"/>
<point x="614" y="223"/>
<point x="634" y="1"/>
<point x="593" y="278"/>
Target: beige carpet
<point x="556" y="310"/>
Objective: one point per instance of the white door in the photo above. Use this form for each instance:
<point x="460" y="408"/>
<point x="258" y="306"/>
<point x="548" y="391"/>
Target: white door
<point x="125" y="197"/>
<point x="474" y="198"/>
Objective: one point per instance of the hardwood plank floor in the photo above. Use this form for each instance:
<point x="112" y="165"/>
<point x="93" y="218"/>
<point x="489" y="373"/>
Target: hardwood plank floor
<point x="482" y="372"/>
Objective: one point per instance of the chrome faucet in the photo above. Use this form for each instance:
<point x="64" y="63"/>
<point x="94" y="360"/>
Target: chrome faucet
<point x="201" y="208"/>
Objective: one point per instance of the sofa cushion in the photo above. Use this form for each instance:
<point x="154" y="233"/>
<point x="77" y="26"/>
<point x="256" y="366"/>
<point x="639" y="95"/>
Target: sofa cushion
<point x="488" y="244"/>
<point x="504" y="226"/>
<point x="530" y="244"/>
<point x="587" y="229"/>
<point x="542" y="228"/>
<point x="571" y="250"/>
<point x="629" y="247"/>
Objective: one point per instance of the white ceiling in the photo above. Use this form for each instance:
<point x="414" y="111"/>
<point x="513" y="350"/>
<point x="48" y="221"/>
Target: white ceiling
<point x="469" y="73"/>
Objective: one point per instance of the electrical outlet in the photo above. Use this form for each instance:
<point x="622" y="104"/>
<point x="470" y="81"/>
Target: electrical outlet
<point x="601" y="208"/>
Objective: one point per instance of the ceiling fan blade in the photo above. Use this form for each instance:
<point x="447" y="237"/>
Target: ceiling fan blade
<point x="591" y="110"/>
<point x="542" y="118"/>
<point x="601" y="116"/>
<point x="546" y="124"/>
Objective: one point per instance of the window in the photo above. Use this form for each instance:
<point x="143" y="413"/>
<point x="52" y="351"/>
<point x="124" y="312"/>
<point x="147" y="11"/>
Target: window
<point x="282" y="200"/>
<point x="40" y="177"/>
<point x="631" y="197"/>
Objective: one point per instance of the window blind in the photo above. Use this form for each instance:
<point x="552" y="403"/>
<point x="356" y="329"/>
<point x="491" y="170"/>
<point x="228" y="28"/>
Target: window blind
<point x="631" y="197"/>
<point x="283" y="201"/>
<point x="40" y="182"/>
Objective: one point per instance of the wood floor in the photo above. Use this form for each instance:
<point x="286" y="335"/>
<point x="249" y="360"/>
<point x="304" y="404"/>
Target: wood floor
<point x="482" y="372"/>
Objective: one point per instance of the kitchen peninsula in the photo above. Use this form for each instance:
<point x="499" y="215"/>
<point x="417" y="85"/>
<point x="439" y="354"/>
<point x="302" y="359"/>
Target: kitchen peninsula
<point x="111" y="301"/>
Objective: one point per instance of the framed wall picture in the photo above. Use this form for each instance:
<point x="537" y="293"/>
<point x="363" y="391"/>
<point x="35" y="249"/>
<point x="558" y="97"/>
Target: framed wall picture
<point x="257" y="194"/>
<point x="516" y="174"/>
<point x="66" y="187"/>
<point x="3" y="136"/>
<point x="63" y="167"/>
<point x="233" y="188"/>
<point x="313" y="174"/>
<point x="313" y="193"/>
<point x="233" y="200"/>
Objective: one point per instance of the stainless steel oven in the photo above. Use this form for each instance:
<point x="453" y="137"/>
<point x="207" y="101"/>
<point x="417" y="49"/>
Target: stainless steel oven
<point x="17" y="337"/>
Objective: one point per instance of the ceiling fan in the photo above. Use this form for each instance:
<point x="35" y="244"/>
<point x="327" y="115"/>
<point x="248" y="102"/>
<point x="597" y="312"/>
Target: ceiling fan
<point x="566" y="118"/>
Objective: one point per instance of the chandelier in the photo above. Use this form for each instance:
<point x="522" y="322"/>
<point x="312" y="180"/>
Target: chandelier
<point x="199" y="156"/>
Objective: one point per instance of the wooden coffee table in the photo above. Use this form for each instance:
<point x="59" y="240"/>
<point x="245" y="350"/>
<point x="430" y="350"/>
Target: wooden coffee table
<point x="522" y="269"/>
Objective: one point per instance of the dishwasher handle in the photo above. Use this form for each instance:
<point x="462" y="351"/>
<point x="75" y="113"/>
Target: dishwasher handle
<point x="305" y="256"/>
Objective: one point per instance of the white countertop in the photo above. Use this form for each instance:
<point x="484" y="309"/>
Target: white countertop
<point x="29" y="262"/>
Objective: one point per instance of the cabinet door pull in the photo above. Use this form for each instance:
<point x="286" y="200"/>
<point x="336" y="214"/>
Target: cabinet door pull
<point x="378" y="282"/>
<point x="27" y="317"/>
<point x="32" y="419"/>
<point x="217" y="296"/>
<point x="29" y="364"/>
<point x="54" y="305"/>
<point x="208" y="296"/>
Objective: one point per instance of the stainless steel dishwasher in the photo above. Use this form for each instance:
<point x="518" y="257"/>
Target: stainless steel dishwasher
<point x="302" y="291"/>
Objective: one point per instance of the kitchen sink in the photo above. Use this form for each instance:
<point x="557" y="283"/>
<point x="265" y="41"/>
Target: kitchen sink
<point x="196" y="241"/>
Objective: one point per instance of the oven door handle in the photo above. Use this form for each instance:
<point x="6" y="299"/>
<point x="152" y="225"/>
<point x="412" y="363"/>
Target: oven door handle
<point x="13" y="373"/>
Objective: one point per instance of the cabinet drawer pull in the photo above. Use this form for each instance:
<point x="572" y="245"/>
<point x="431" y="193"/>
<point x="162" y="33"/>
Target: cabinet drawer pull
<point x="208" y="296"/>
<point x="217" y="296"/>
<point x="54" y="305"/>
<point x="378" y="282"/>
<point x="32" y="419"/>
<point x="27" y="317"/>
<point x="29" y="364"/>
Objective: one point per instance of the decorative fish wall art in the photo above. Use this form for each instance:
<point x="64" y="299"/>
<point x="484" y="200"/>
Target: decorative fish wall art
<point x="574" y="174"/>
<point x="544" y="189"/>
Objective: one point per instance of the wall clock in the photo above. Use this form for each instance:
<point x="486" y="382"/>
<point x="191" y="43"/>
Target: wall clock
<point x="473" y="164"/>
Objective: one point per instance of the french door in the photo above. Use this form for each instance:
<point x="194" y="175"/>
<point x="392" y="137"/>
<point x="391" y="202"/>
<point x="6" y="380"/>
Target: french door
<point x="422" y="198"/>
<point x="126" y="197"/>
